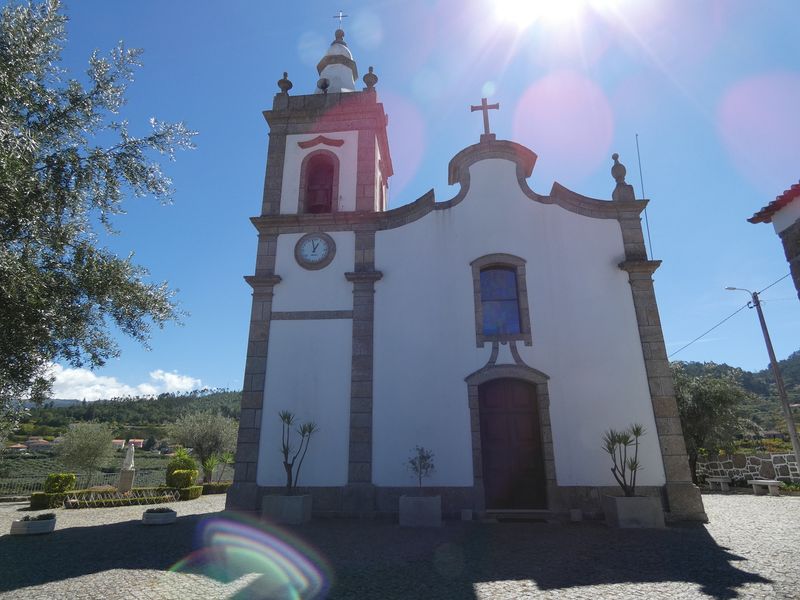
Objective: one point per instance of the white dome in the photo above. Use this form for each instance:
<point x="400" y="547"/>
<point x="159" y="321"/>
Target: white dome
<point x="337" y="69"/>
<point x="339" y="49"/>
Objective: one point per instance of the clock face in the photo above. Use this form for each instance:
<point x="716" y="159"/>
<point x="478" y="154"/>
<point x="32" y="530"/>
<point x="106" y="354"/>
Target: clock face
<point x="314" y="250"/>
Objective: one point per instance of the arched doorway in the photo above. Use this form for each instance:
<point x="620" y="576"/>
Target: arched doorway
<point x="513" y="466"/>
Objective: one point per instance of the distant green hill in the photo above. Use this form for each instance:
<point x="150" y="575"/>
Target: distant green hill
<point x="139" y="416"/>
<point x="764" y="406"/>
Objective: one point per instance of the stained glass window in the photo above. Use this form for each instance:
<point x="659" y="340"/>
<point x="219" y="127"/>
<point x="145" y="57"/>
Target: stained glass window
<point x="499" y="302"/>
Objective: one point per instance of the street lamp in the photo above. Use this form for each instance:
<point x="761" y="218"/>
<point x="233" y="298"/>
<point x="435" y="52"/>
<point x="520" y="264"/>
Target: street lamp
<point x="776" y="372"/>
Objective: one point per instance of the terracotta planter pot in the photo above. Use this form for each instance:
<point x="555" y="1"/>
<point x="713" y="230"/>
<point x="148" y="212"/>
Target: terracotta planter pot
<point x="159" y="518"/>
<point x="636" y="511"/>
<point x="33" y="527"/>
<point x="288" y="510"/>
<point x="420" y="511"/>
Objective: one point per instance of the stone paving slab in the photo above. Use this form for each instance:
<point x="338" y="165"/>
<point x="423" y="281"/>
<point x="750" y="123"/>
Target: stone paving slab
<point x="750" y="549"/>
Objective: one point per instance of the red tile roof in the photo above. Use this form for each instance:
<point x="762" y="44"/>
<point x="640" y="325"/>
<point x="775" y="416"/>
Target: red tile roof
<point x="765" y="214"/>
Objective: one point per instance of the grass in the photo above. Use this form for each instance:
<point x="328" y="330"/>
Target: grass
<point x="39" y="466"/>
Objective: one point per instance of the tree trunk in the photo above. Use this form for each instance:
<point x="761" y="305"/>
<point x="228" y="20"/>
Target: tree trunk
<point x="288" y="468"/>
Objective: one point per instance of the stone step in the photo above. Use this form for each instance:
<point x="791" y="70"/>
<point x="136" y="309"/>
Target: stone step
<point x="526" y="514"/>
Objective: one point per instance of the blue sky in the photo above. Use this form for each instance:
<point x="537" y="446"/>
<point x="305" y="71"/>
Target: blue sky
<point x="711" y="87"/>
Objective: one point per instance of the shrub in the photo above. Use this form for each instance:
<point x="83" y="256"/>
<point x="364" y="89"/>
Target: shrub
<point x="218" y="487"/>
<point x="159" y="510"/>
<point x="181" y="462"/>
<point x="42" y="517"/>
<point x="42" y="500"/>
<point x="59" y="482"/>
<point x="191" y="493"/>
<point x="182" y="478"/>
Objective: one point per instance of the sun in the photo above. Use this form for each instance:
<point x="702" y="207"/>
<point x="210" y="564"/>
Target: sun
<point x="525" y="12"/>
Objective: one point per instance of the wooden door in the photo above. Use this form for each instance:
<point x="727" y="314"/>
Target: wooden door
<point x="511" y="445"/>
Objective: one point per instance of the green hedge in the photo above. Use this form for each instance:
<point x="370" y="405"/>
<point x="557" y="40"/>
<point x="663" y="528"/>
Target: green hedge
<point x="59" y="482"/>
<point x="218" y="487"/>
<point x="191" y="493"/>
<point x="181" y="462"/>
<point x="42" y="500"/>
<point x="182" y="478"/>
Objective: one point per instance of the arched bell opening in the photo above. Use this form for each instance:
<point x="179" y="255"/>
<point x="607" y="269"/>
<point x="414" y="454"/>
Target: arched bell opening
<point x="319" y="187"/>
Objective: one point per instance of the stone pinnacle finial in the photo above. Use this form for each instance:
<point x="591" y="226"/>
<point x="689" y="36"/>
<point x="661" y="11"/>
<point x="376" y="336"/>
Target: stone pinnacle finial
<point x="339" y="34"/>
<point x="370" y="79"/>
<point x="323" y="84"/>
<point x="618" y="170"/>
<point x="623" y="191"/>
<point x="284" y="84"/>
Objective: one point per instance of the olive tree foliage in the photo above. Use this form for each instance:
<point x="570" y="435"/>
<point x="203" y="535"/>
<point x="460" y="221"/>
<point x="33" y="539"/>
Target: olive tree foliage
<point x="67" y="161"/>
<point x="209" y="435"/>
<point x="87" y="446"/>
<point x="709" y="409"/>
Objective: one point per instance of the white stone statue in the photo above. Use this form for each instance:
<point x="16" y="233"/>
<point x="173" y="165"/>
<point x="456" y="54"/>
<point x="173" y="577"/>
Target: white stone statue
<point x="127" y="464"/>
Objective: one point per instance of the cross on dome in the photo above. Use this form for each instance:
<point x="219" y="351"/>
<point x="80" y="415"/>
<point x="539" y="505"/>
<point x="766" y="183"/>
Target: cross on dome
<point x="340" y="16"/>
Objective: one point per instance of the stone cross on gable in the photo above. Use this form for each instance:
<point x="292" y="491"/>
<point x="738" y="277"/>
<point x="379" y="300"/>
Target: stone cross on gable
<point x="485" y="108"/>
<point x="340" y="16"/>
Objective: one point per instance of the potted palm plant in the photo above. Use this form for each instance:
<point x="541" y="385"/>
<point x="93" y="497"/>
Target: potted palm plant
<point x="422" y="510"/>
<point x="629" y="510"/>
<point x="291" y="508"/>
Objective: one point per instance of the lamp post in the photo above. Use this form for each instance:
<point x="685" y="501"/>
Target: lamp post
<point x="776" y="372"/>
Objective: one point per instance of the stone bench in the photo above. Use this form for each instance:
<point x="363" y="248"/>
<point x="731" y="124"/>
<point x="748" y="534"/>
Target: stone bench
<point x="722" y="482"/>
<point x="760" y="484"/>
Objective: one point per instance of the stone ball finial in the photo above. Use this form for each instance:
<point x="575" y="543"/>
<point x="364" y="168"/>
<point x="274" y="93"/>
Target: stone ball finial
<point x="618" y="170"/>
<point x="339" y="34"/>
<point x="284" y="84"/>
<point x="370" y="79"/>
<point x="323" y="84"/>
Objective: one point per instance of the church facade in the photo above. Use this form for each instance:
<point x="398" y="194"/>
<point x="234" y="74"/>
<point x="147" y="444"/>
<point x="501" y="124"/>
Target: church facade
<point x="503" y="330"/>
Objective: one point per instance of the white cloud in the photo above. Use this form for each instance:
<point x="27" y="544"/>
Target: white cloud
<point x="83" y="383"/>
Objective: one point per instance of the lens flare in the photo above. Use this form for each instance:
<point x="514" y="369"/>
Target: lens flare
<point x="233" y="547"/>
<point x="566" y="119"/>
<point x="758" y="121"/>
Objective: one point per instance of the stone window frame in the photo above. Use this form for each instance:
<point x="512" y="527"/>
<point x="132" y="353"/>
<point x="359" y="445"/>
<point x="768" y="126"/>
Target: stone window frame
<point x="301" y="200"/>
<point x="507" y="261"/>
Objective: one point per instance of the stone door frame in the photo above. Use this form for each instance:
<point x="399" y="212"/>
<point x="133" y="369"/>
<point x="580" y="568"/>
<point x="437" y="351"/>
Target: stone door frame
<point x="539" y="381"/>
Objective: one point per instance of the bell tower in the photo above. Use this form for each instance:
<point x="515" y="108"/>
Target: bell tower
<point x="326" y="181"/>
<point x="328" y="150"/>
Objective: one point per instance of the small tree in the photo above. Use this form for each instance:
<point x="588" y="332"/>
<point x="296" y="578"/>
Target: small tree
<point x="207" y="434"/>
<point x="421" y="463"/>
<point x="709" y="409"/>
<point x="305" y="431"/>
<point x="625" y="468"/>
<point x="87" y="446"/>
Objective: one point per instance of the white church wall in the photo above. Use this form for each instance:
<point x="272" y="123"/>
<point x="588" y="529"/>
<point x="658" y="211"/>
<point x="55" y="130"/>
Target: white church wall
<point x="308" y="373"/>
<point x="324" y="289"/>
<point x="293" y="160"/>
<point x="584" y="331"/>
<point x="786" y="216"/>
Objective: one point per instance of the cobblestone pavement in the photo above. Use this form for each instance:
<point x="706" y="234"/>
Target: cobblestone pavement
<point x="750" y="549"/>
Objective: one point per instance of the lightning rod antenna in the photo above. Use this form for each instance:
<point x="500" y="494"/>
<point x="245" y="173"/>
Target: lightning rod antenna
<point x="641" y="185"/>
